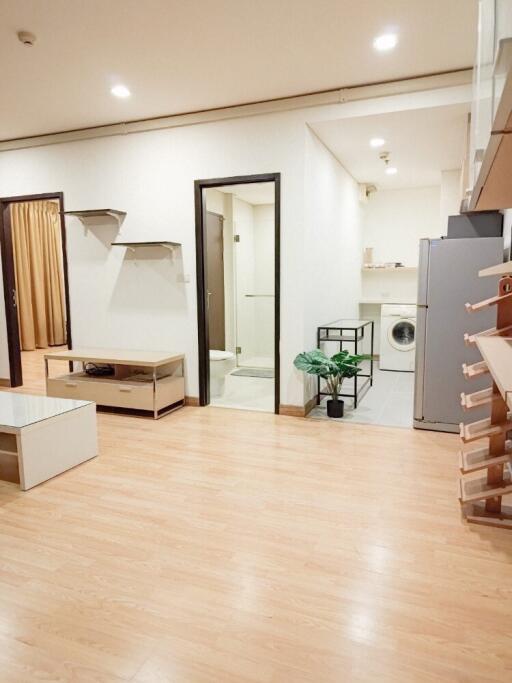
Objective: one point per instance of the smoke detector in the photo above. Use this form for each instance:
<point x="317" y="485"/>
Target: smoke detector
<point x="26" y="38"/>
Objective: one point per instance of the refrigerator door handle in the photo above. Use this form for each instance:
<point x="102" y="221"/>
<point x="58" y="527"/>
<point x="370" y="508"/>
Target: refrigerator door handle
<point x="419" y="361"/>
<point x="423" y="264"/>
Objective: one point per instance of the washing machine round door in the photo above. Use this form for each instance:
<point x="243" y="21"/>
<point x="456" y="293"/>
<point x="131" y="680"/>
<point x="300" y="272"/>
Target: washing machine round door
<point x="402" y="334"/>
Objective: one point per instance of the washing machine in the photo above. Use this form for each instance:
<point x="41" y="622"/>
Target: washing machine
<point x="397" y="337"/>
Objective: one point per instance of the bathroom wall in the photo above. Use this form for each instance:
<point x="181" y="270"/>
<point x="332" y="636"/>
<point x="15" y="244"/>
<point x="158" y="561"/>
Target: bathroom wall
<point x="248" y="269"/>
<point x="254" y="265"/>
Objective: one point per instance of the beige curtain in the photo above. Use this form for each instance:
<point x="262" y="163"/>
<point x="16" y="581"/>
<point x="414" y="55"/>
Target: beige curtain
<point x="37" y="248"/>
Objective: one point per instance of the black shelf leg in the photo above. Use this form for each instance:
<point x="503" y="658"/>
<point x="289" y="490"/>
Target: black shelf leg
<point x="371" y="354"/>
<point x="355" y="376"/>
<point x="318" y="378"/>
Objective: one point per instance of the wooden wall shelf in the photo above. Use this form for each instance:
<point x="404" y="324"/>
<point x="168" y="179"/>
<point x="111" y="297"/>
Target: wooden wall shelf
<point x="482" y="429"/>
<point x="495" y="459"/>
<point x="477" y="399"/>
<point x="473" y="490"/>
<point x="479" y="459"/>
<point x="492" y="301"/>
<point x="475" y="370"/>
<point x="500" y="269"/>
<point x="493" y="189"/>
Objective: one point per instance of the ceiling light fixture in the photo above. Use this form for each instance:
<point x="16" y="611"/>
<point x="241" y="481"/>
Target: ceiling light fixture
<point x="120" y="91"/>
<point x="377" y="142"/>
<point x="385" y="42"/>
<point x="388" y="170"/>
<point x="27" y="38"/>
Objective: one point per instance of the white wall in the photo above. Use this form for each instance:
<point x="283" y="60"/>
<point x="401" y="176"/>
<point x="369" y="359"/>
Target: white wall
<point x="450" y="197"/>
<point x="144" y="303"/>
<point x="119" y="301"/>
<point x="332" y="244"/>
<point x="394" y="222"/>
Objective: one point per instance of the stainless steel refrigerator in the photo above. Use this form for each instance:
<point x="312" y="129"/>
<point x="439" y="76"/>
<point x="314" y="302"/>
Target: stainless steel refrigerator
<point x="447" y="279"/>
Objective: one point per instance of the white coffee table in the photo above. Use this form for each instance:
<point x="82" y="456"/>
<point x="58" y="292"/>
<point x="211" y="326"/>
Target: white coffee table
<point x="41" y="437"/>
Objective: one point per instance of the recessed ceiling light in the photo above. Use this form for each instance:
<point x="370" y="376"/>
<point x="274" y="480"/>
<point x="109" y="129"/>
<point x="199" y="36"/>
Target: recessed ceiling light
<point x="391" y="170"/>
<point x="120" y="91"/>
<point x="377" y="142"/>
<point x="387" y="41"/>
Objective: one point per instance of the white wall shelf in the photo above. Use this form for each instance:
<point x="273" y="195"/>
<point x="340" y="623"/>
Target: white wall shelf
<point x="132" y="246"/>
<point x="93" y="214"/>
<point x="380" y="302"/>
<point x="408" y="269"/>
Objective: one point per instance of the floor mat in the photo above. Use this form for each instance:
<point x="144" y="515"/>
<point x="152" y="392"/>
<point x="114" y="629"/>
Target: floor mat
<point x="267" y="373"/>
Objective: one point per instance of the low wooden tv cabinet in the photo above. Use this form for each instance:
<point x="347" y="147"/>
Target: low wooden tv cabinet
<point x="148" y="381"/>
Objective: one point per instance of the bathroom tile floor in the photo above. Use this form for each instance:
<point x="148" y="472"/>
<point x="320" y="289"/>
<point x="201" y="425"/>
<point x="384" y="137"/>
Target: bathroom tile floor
<point x="388" y="402"/>
<point x="246" y="393"/>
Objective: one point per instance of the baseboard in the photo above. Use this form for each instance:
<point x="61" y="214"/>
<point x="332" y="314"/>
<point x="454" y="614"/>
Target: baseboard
<point x="297" y="411"/>
<point x="191" y="400"/>
<point x="292" y="411"/>
<point x="5" y="382"/>
<point x="309" y="406"/>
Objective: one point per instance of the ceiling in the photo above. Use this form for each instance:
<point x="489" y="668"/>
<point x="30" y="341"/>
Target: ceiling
<point x="179" y="56"/>
<point x="422" y="143"/>
<point x="252" y="193"/>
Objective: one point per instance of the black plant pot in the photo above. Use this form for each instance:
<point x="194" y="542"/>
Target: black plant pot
<point x="335" y="408"/>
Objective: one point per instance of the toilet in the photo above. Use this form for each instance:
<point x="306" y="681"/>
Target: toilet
<point x="221" y="364"/>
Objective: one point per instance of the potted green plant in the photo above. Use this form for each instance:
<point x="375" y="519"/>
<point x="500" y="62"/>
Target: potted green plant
<point x="333" y="370"/>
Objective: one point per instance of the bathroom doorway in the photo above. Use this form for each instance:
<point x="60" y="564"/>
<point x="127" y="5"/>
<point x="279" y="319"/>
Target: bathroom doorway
<point x="237" y="235"/>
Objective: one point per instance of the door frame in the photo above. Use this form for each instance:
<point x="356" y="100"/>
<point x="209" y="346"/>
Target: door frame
<point x="201" y="276"/>
<point x="9" y="281"/>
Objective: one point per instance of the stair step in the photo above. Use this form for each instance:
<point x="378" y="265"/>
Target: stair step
<point x="479" y="398"/>
<point x="479" y="515"/>
<point x="487" y="302"/>
<point x="475" y="370"/>
<point x="470" y="339"/>
<point x="472" y="490"/>
<point x="478" y="459"/>
<point x="482" y="428"/>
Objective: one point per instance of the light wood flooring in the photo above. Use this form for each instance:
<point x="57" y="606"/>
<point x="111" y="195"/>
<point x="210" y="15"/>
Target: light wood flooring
<point x="223" y="546"/>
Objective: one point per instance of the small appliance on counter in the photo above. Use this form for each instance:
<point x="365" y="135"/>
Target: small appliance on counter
<point x="480" y="224"/>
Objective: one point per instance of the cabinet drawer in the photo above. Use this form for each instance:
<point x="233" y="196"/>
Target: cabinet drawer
<point x="103" y="392"/>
